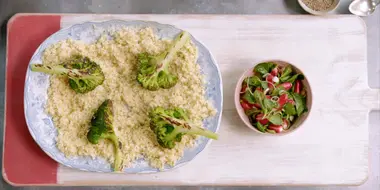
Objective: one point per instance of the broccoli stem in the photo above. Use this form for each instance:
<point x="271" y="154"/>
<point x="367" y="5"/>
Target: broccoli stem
<point x="60" y="70"/>
<point x="49" y="69"/>
<point x="174" y="47"/>
<point x="202" y="132"/>
<point x="185" y="127"/>
<point x="117" y="162"/>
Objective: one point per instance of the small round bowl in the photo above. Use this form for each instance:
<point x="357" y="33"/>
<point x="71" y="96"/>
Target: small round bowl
<point x="314" y="12"/>
<point x="297" y="123"/>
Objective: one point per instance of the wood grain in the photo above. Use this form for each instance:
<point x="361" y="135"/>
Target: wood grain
<point x="331" y="148"/>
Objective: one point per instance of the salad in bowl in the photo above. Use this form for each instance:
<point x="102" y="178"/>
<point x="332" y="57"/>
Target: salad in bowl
<point x="273" y="97"/>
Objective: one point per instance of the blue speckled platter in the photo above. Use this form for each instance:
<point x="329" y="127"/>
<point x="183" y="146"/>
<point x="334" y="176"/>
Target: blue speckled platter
<point x="40" y="123"/>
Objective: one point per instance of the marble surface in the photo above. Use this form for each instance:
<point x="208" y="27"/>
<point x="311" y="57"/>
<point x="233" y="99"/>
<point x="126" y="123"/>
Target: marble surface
<point x="8" y="8"/>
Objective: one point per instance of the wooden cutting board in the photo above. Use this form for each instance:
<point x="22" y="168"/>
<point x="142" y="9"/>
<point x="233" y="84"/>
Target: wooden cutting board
<point x="331" y="148"/>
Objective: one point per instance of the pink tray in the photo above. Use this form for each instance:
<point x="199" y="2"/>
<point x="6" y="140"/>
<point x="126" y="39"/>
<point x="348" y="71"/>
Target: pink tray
<point x="24" y="163"/>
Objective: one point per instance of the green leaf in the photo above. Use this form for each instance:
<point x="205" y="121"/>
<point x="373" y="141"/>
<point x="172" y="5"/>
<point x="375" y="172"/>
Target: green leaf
<point x="260" y="127"/>
<point x="276" y="119"/>
<point x="276" y="91"/>
<point x="263" y="68"/>
<point x="259" y="97"/>
<point x="253" y="81"/>
<point x="264" y="84"/>
<point x="290" y="109"/>
<point x="294" y="78"/>
<point x="271" y="131"/>
<point x="286" y="72"/>
<point x="284" y="79"/>
<point x="269" y="104"/>
<point x="290" y="95"/>
<point x="300" y="103"/>
<point x="248" y="97"/>
<point x="252" y="112"/>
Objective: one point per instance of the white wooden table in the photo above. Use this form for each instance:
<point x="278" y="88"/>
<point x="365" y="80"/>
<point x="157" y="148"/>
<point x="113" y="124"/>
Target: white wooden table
<point x="332" y="145"/>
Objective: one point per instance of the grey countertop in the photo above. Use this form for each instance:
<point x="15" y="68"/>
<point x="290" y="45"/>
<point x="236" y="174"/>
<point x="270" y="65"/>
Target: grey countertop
<point x="10" y="7"/>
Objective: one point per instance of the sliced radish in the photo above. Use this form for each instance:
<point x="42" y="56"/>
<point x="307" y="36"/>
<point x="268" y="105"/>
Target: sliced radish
<point x="269" y="78"/>
<point x="290" y="101"/>
<point x="298" y="86"/>
<point x="245" y="105"/>
<point x="243" y="89"/>
<point x="256" y="105"/>
<point x="275" y="80"/>
<point x="274" y="71"/>
<point x="259" y="118"/>
<point x="286" y="85"/>
<point x="277" y="128"/>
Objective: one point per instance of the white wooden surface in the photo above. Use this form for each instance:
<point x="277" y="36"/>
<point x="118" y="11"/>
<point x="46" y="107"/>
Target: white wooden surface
<point x="332" y="145"/>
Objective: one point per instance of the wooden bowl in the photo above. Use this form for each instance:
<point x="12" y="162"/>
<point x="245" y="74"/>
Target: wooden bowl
<point x="297" y="123"/>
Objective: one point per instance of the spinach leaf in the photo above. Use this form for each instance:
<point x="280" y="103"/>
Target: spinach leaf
<point x="300" y="103"/>
<point x="248" y="97"/>
<point x="263" y="68"/>
<point x="271" y="131"/>
<point x="290" y="95"/>
<point x="286" y="72"/>
<point x="253" y="81"/>
<point x="294" y="78"/>
<point x="276" y="119"/>
<point x="252" y="112"/>
<point x="269" y="104"/>
<point x="260" y="127"/>
<point x="290" y="109"/>
<point x="284" y="79"/>
<point x="276" y="91"/>
<point x="259" y="97"/>
<point x="264" y="84"/>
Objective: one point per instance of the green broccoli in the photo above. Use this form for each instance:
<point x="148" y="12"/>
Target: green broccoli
<point x="169" y="125"/>
<point x="84" y="75"/>
<point x="153" y="70"/>
<point x="102" y="128"/>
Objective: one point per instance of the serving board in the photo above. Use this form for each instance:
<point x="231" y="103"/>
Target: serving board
<point x="331" y="148"/>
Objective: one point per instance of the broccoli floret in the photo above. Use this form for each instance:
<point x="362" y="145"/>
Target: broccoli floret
<point x="102" y="128"/>
<point x="169" y="125"/>
<point x="84" y="75"/>
<point x="153" y="71"/>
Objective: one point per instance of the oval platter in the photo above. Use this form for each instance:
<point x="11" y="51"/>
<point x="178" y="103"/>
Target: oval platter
<point x="42" y="128"/>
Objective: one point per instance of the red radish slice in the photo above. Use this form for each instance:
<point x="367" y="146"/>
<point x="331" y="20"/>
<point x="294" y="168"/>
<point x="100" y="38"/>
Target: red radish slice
<point x="259" y="118"/>
<point x="298" y="86"/>
<point x="269" y="79"/>
<point x="282" y="101"/>
<point x="276" y="128"/>
<point x="286" y="85"/>
<point x="291" y="101"/>
<point x="274" y="71"/>
<point x="245" y="105"/>
<point x="243" y="89"/>
<point x="256" y="105"/>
